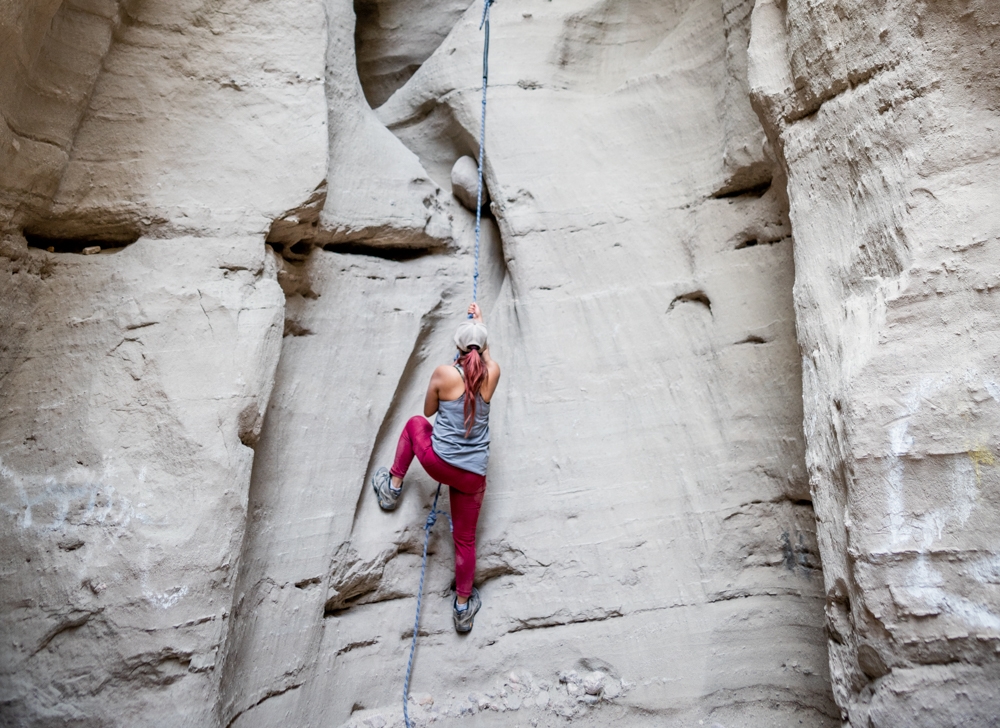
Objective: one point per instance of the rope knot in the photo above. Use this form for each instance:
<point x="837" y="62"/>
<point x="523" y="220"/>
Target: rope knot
<point x="432" y="519"/>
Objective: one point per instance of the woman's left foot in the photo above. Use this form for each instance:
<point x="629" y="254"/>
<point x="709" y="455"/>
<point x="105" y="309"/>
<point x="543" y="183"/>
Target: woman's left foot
<point x="387" y="496"/>
<point x="464" y="619"/>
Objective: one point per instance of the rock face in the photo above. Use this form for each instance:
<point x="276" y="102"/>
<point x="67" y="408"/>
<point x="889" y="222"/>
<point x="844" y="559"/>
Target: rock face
<point x="392" y="38"/>
<point x="50" y="58"/>
<point x="134" y="381"/>
<point x="133" y="384"/>
<point x="682" y="379"/>
<point x="887" y="128"/>
<point x="633" y="485"/>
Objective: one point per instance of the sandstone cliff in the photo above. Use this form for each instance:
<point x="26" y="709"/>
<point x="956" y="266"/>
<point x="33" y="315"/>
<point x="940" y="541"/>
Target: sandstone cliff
<point x="885" y="121"/>
<point x="737" y="267"/>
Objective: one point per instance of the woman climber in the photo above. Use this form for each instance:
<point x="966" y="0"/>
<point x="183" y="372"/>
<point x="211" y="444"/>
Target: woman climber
<point x="454" y="451"/>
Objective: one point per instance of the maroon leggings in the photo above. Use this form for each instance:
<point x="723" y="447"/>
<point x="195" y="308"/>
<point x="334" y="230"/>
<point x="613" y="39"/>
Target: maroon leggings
<point x="467" y="490"/>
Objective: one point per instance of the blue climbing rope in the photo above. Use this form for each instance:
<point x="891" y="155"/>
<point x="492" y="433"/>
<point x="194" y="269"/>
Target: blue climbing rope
<point x="428" y="525"/>
<point x="484" y="25"/>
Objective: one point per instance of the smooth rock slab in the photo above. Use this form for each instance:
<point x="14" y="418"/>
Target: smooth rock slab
<point x="132" y="384"/>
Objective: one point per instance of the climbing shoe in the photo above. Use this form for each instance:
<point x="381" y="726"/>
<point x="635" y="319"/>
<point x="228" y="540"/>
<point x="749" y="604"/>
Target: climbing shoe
<point x="386" y="494"/>
<point x="463" y="620"/>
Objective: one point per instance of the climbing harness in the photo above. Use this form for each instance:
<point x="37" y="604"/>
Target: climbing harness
<point x="428" y="525"/>
<point x="484" y="24"/>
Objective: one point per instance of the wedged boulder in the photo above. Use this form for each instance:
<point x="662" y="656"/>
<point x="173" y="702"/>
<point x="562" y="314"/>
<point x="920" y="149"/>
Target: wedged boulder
<point x="465" y="183"/>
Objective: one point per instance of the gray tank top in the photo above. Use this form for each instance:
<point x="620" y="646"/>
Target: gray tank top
<point x="448" y="438"/>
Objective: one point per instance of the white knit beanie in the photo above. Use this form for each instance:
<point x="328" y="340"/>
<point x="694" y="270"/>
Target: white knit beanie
<point x="470" y="333"/>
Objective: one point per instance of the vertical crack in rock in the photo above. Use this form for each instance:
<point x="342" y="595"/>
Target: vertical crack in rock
<point x="350" y="354"/>
<point x="351" y="576"/>
<point x="386" y="438"/>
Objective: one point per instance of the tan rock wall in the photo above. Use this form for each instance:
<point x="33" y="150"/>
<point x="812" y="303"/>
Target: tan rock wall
<point x="648" y="510"/>
<point x="207" y="119"/>
<point x="50" y="58"/>
<point x="131" y="382"/>
<point x="886" y="119"/>
<point x="174" y="557"/>
<point x="134" y="381"/>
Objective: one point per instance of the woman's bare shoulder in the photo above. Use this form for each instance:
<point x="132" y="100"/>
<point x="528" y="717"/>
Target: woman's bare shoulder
<point x="447" y="373"/>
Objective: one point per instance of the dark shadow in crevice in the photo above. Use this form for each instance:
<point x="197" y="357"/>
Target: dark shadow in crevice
<point x="292" y="252"/>
<point x="758" y="190"/>
<point x="354" y="646"/>
<point x="420" y="114"/>
<point x="80" y="246"/>
<point x="298" y="252"/>
<point x="374" y="251"/>
<point x="294" y="328"/>
<point x="754" y="242"/>
<point x="334" y="608"/>
<point x="698" y="297"/>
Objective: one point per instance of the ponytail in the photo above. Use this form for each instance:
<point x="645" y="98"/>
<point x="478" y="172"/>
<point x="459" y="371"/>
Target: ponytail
<point x="474" y="372"/>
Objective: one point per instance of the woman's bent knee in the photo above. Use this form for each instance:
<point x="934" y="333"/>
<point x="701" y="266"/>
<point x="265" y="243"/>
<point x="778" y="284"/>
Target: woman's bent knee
<point x="417" y="425"/>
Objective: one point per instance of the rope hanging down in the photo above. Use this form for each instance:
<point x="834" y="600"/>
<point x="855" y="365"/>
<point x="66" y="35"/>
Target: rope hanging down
<point x="431" y="520"/>
<point x="484" y="24"/>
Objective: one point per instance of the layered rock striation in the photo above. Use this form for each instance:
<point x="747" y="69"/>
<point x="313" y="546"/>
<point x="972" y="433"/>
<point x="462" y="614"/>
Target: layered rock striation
<point x="885" y="122"/>
<point x="723" y="284"/>
<point x="162" y="139"/>
<point x="634" y="484"/>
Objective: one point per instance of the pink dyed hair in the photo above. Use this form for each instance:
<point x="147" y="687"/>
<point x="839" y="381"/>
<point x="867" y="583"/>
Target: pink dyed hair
<point x="475" y="374"/>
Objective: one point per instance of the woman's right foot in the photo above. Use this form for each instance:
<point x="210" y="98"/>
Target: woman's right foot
<point x="387" y="496"/>
<point x="463" y="619"/>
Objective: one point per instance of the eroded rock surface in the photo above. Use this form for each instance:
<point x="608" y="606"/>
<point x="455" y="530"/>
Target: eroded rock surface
<point x="648" y="511"/>
<point x="266" y="191"/>
<point x="134" y="378"/>
<point x="394" y="37"/>
<point x="50" y="59"/>
<point x="133" y="385"/>
<point x="886" y="119"/>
